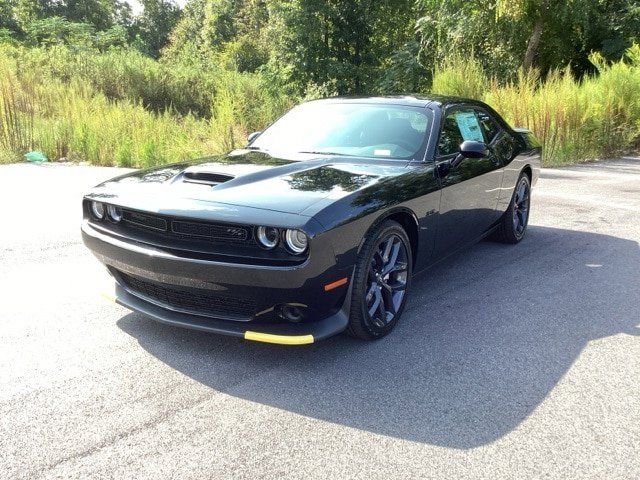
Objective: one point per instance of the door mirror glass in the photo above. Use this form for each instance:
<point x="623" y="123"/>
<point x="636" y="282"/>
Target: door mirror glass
<point x="473" y="149"/>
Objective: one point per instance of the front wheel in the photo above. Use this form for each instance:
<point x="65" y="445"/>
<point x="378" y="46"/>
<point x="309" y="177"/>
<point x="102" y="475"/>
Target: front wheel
<point x="381" y="281"/>
<point x="515" y="220"/>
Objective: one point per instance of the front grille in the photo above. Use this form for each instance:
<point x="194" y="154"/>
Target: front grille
<point x="193" y="237"/>
<point x="209" y="231"/>
<point x="144" y="220"/>
<point x="186" y="229"/>
<point x="191" y="300"/>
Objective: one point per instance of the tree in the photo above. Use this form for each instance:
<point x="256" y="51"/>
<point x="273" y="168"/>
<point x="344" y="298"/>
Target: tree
<point x="510" y="34"/>
<point x="614" y="28"/>
<point x="229" y="32"/>
<point x="469" y="27"/>
<point x="7" y="20"/>
<point x="153" y="27"/>
<point x="26" y="11"/>
<point x="562" y="32"/>
<point x="340" y="43"/>
<point x="58" y="31"/>
<point x="218" y="24"/>
<point x="186" y="34"/>
<point x="562" y="22"/>
<point x="100" y="14"/>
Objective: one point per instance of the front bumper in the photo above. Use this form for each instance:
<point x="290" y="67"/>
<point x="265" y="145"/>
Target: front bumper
<point x="265" y="287"/>
<point x="283" y="334"/>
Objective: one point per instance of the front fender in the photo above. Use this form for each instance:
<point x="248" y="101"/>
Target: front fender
<point x="415" y="194"/>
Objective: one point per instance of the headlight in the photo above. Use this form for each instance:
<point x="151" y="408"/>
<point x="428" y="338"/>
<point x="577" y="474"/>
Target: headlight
<point x="97" y="209"/>
<point x="296" y="240"/>
<point x="268" y="236"/>
<point x="115" y="213"/>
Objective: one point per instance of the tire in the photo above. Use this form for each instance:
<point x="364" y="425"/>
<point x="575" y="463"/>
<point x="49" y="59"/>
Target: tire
<point x="388" y="288"/>
<point x="513" y="225"/>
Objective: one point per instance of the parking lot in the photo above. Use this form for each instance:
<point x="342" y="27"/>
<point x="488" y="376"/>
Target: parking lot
<point x="509" y="362"/>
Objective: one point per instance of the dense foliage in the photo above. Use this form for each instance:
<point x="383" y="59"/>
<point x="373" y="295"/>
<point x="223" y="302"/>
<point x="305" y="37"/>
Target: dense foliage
<point x="91" y="80"/>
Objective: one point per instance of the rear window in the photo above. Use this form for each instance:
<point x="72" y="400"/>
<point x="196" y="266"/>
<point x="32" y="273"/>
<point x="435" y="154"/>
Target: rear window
<point x="489" y="126"/>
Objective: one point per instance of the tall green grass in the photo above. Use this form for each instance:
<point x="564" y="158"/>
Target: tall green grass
<point x="17" y="115"/>
<point x="123" y="73"/>
<point x="577" y="120"/>
<point x="72" y="121"/>
<point x="120" y="108"/>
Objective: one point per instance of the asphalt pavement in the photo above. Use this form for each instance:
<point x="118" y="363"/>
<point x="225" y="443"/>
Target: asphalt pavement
<point x="509" y="362"/>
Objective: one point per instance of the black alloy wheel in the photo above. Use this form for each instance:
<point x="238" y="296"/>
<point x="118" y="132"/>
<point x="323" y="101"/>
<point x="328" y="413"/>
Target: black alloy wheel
<point x="382" y="279"/>
<point x="514" y="223"/>
<point x="521" y="207"/>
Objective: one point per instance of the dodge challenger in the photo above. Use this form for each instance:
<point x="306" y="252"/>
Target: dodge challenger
<point x="318" y="224"/>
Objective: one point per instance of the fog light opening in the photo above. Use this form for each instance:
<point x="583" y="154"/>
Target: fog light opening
<point x="291" y="313"/>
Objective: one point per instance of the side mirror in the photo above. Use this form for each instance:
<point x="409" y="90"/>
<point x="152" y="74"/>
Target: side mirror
<point x="252" y="136"/>
<point x="473" y="149"/>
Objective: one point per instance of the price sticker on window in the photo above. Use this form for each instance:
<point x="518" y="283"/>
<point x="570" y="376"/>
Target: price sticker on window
<point x="469" y="126"/>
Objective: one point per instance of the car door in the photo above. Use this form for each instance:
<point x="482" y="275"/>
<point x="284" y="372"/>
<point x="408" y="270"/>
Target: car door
<point x="470" y="189"/>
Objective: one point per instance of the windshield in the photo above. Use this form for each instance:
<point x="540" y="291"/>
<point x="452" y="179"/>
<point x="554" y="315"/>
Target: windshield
<point x="359" y="130"/>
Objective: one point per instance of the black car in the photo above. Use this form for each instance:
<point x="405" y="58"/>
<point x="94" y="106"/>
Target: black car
<point x="319" y="223"/>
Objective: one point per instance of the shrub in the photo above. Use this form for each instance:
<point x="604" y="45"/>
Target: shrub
<point x="576" y="120"/>
<point x="463" y="77"/>
<point x="17" y="113"/>
<point x="119" y="107"/>
<point x="123" y="73"/>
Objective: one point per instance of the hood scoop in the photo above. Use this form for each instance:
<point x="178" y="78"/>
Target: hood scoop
<point x="204" y="176"/>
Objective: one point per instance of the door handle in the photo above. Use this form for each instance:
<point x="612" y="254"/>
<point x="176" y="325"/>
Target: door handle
<point x="445" y="166"/>
<point x="457" y="160"/>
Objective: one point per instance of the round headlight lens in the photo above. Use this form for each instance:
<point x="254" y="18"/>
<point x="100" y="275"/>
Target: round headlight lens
<point x="97" y="209"/>
<point x="296" y="240"/>
<point x="268" y="236"/>
<point x="115" y="213"/>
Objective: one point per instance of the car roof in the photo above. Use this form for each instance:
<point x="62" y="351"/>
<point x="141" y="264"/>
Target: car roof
<point x="407" y="100"/>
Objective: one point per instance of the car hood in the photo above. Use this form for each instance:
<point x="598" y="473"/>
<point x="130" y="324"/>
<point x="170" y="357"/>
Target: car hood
<point x="249" y="179"/>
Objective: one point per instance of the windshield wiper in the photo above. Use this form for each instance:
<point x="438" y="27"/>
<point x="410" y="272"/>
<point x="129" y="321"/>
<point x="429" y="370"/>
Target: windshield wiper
<point x="249" y="147"/>
<point x="318" y="152"/>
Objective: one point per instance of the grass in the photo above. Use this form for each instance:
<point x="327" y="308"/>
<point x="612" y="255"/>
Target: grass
<point x="71" y="121"/>
<point x="122" y="108"/>
<point x="577" y="120"/>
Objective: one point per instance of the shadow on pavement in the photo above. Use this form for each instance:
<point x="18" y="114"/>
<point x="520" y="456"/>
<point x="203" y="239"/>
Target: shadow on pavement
<point x="485" y="337"/>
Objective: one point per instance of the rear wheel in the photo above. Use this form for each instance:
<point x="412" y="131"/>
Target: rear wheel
<point x="381" y="281"/>
<point x="515" y="220"/>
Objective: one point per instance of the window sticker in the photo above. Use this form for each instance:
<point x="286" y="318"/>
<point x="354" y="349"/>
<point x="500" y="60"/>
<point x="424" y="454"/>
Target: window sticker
<point x="469" y="126"/>
<point x="382" y="152"/>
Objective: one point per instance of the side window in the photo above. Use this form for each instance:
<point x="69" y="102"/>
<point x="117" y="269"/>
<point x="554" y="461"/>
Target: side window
<point x="490" y="127"/>
<point x="504" y="147"/>
<point x="458" y="126"/>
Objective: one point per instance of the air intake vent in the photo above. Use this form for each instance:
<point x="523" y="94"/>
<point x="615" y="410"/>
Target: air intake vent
<point x="190" y="300"/>
<point x="207" y="178"/>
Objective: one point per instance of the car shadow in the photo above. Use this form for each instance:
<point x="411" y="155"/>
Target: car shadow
<point x="485" y="337"/>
